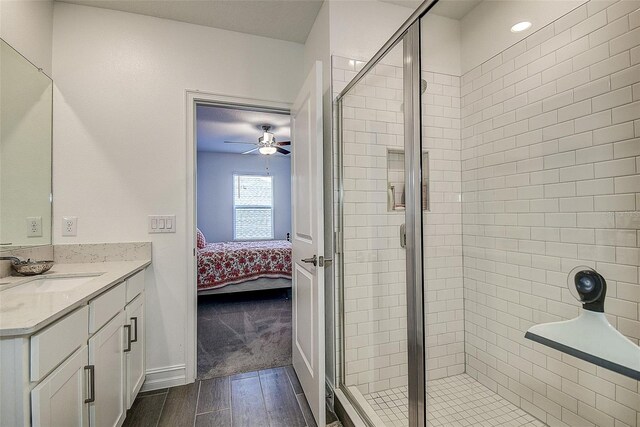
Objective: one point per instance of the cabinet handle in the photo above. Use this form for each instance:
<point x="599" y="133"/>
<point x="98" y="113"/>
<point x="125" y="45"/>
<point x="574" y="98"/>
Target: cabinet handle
<point x="135" y="329"/>
<point x="128" y="328"/>
<point x="92" y="383"/>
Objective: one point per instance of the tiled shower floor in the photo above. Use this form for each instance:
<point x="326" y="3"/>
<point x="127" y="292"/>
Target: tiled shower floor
<point x="454" y="401"/>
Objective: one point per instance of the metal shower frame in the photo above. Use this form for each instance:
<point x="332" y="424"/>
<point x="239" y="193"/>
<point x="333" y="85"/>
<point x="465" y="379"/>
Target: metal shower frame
<point x="409" y="34"/>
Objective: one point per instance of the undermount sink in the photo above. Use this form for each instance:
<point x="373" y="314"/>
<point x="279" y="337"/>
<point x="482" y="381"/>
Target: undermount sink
<point x="51" y="284"/>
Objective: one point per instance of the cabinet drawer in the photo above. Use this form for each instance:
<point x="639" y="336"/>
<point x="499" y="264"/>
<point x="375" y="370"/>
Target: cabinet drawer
<point x="135" y="285"/>
<point x="52" y="345"/>
<point x="103" y="308"/>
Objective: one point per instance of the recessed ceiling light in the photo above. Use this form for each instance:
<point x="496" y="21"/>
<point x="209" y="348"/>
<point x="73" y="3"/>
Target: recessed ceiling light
<point x="521" y="26"/>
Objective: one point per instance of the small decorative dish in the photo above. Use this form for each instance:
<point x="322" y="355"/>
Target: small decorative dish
<point x="31" y="268"/>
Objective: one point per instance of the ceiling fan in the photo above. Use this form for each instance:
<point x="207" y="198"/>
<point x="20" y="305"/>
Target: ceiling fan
<point x="266" y="143"/>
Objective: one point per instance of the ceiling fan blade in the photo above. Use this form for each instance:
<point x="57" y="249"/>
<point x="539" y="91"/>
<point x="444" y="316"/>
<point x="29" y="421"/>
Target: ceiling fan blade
<point x="253" y="149"/>
<point x="281" y="143"/>
<point x="238" y="142"/>
<point x="282" y="150"/>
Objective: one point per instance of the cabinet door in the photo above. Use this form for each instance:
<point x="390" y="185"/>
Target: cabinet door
<point x="106" y="354"/>
<point x="59" y="398"/>
<point x="135" y="357"/>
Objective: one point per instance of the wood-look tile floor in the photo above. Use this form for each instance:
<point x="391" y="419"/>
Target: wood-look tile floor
<point x="267" y="398"/>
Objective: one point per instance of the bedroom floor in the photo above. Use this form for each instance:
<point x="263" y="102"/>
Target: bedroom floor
<point x="243" y="332"/>
<point x="268" y="398"/>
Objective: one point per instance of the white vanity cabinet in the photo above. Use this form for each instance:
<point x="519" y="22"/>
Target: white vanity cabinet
<point x="59" y="399"/>
<point x="106" y="385"/>
<point x="135" y="353"/>
<point x="82" y="370"/>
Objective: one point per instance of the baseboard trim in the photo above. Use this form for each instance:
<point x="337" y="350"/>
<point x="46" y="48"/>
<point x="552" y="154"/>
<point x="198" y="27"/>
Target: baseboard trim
<point x="168" y="376"/>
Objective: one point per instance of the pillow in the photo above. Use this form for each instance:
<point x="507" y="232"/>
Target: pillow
<point x="202" y="242"/>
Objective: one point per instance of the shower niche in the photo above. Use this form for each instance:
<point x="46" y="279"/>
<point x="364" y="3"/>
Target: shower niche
<point x="396" y="180"/>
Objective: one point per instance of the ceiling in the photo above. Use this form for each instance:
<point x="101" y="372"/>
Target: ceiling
<point x="454" y="9"/>
<point x="289" y="20"/>
<point x="214" y="125"/>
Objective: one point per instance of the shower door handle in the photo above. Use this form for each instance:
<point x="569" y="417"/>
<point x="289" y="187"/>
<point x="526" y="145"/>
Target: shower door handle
<point x="324" y="262"/>
<point x="403" y="236"/>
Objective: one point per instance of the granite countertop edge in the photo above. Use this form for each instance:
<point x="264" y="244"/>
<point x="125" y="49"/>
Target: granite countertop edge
<point x="110" y="273"/>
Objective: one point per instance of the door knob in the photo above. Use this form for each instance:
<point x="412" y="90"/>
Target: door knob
<point x="318" y="260"/>
<point x="313" y="260"/>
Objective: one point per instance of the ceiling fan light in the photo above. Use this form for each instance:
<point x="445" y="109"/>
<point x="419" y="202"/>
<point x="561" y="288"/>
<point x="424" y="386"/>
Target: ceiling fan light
<point x="267" y="150"/>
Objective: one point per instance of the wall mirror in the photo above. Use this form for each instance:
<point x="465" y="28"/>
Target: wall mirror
<point x="26" y="98"/>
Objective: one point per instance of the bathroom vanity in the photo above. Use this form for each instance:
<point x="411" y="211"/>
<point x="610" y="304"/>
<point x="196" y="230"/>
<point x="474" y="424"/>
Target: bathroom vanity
<point x="72" y="341"/>
<point x="72" y="344"/>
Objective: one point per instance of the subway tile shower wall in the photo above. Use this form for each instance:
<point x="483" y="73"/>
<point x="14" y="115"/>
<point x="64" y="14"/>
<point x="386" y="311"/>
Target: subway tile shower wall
<point x="543" y="144"/>
<point x="375" y="301"/>
<point x="442" y="226"/>
<point x="550" y="181"/>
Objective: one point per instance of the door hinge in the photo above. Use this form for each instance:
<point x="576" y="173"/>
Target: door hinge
<point x="337" y="244"/>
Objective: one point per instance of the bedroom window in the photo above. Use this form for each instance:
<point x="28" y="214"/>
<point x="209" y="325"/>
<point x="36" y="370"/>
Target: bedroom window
<point x="252" y="207"/>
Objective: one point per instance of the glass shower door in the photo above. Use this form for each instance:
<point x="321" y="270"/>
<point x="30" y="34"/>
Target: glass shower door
<point x="381" y="335"/>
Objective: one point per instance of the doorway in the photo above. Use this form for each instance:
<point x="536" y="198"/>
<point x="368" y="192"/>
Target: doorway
<point x="307" y="244"/>
<point x="243" y="205"/>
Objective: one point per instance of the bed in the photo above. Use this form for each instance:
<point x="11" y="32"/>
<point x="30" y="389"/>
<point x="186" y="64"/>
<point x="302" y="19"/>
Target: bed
<point x="243" y="266"/>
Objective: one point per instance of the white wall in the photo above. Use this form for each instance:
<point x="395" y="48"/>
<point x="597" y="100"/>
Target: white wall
<point x="360" y="28"/>
<point x="120" y="126"/>
<point x="316" y="48"/>
<point x="215" y="191"/>
<point x="486" y="30"/>
<point x="440" y="45"/>
<point x="27" y="25"/>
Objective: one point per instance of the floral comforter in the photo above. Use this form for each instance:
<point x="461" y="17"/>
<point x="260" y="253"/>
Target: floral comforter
<point x="228" y="263"/>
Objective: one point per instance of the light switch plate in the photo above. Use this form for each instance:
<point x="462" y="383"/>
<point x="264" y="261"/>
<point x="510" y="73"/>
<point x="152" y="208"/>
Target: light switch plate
<point x="162" y="224"/>
<point x="34" y="226"/>
<point x="70" y="226"/>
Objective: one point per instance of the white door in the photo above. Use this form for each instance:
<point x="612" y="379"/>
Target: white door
<point x="308" y="241"/>
<point x="106" y="355"/>
<point x="134" y="359"/>
<point x="59" y="399"/>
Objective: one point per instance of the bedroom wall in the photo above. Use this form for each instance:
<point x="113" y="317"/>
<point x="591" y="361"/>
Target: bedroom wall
<point x="120" y="138"/>
<point x="215" y="191"/>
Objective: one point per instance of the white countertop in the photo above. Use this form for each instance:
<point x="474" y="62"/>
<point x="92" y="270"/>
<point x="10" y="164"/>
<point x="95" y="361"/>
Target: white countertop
<point x="25" y="313"/>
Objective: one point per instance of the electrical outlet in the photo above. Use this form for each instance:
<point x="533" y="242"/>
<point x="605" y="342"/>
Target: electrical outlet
<point x="34" y="226"/>
<point x="70" y="226"/>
